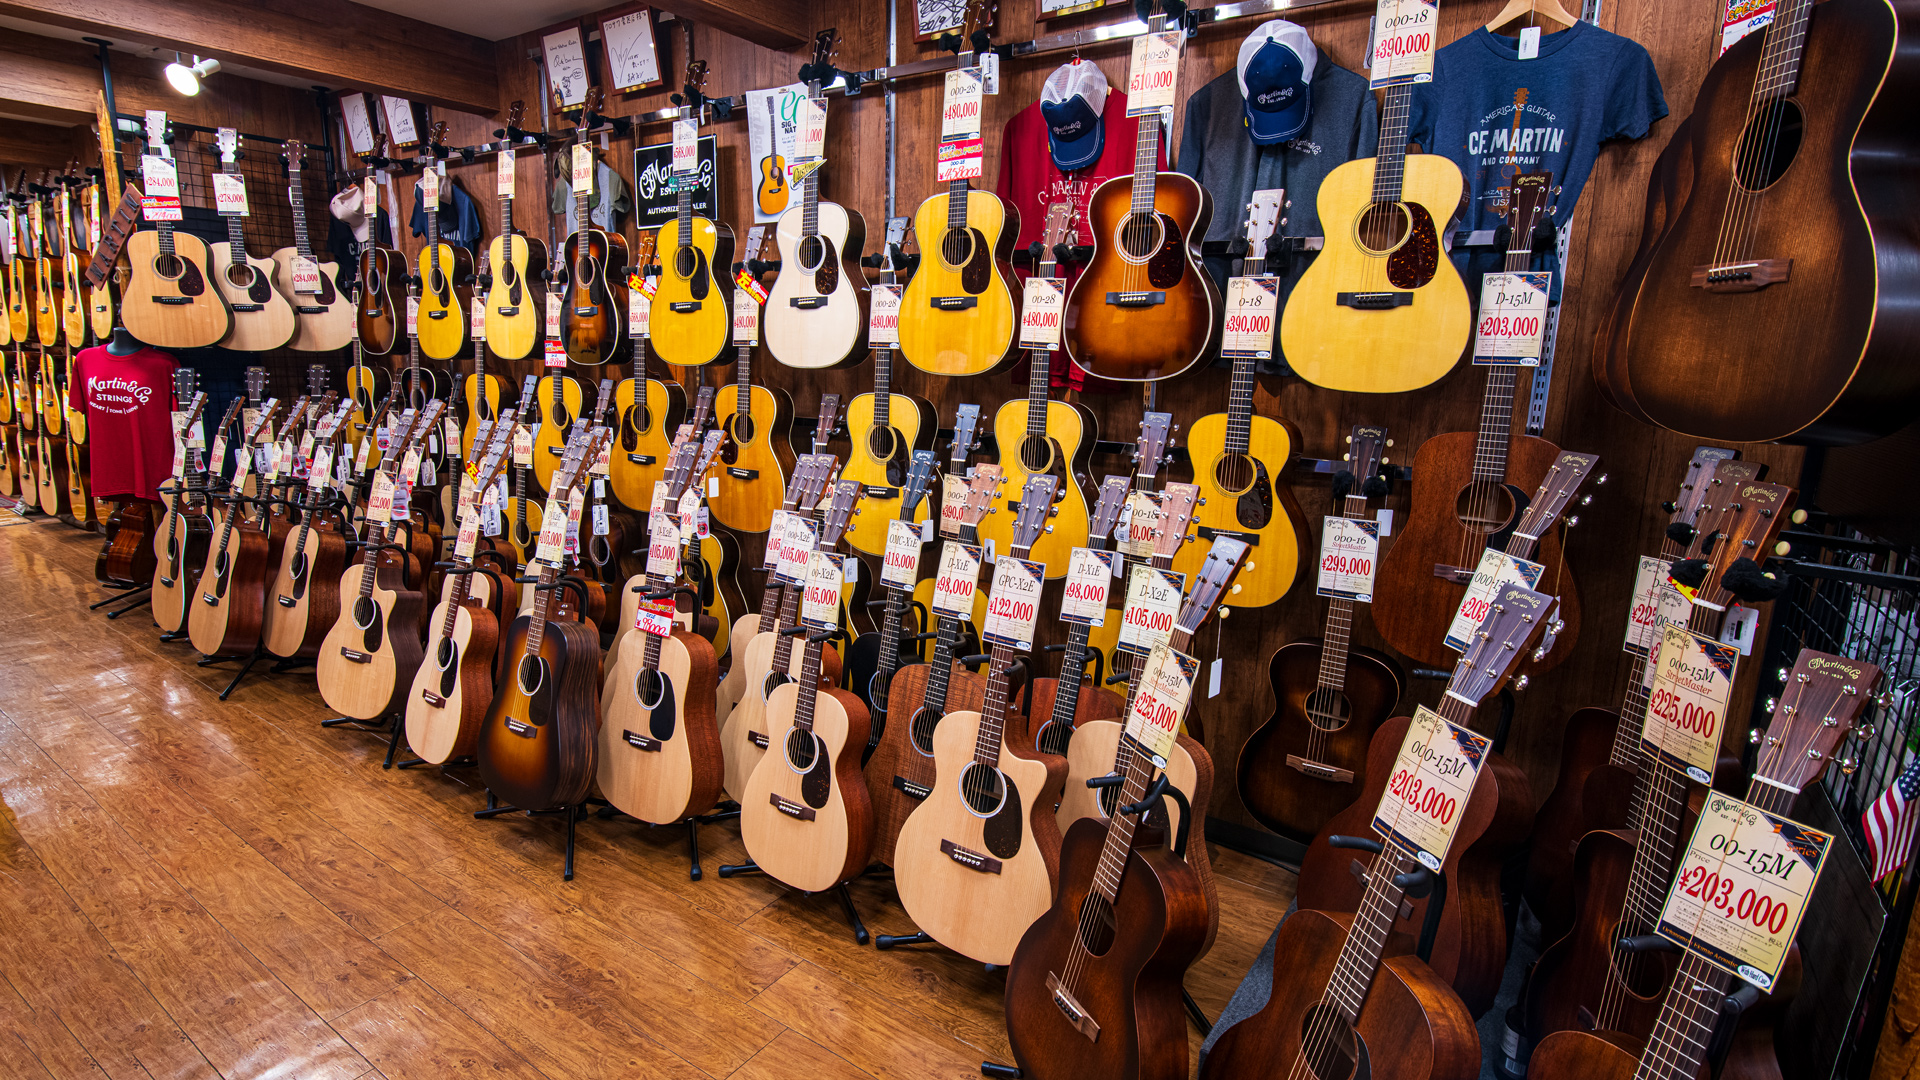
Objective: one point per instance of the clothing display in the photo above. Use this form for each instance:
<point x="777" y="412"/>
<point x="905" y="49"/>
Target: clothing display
<point x="127" y="401"/>
<point x="609" y="190"/>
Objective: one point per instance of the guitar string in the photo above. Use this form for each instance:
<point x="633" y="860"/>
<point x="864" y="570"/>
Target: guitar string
<point x="1782" y="76"/>
<point x="1778" y="52"/>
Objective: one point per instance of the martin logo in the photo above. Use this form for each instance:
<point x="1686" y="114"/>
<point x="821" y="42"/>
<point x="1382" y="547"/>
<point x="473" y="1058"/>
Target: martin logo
<point x="1272" y="98"/>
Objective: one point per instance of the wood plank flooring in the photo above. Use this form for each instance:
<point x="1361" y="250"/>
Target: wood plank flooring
<point x="197" y="889"/>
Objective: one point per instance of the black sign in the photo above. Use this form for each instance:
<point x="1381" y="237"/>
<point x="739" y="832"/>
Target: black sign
<point x="655" y="199"/>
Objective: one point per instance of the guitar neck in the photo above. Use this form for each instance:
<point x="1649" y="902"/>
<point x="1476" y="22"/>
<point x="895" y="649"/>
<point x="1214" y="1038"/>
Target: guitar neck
<point x="1336" y="642"/>
<point x="1146" y="162"/>
<point x="940" y="671"/>
<point x="542" y="605"/>
<point x="789" y="616"/>
<point x="1066" y="688"/>
<point x="1780" y="57"/>
<point x="809" y="686"/>
<point x="743" y="380"/>
<point x="883" y="386"/>
<point x="993" y="710"/>
<point x="1390" y="160"/>
<point x="1490" y="447"/>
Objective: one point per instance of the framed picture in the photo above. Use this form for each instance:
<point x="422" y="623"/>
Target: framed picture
<point x="931" y="18"/>
<point x="402" y="128"/>
<point x="360" y="133"/>
<point x="633" y="61"/>
<point x="1053" y="8"/>
<point x="566" y="61"/>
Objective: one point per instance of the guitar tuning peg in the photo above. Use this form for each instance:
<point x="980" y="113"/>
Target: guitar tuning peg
<point x="1782" y="548"/>
<point x="1225" y="611"/>
<point x="1753" y="734"/>
<point x="1586" y="500"/>
<point x="1782" y="674"/>
<point x="1389" y="444"/>
<point x="1520" y="684"/>
<point x="1249" y="566"/>
<point x="1200" y="501"/>
<point x="1601" y="479"/>
<point x="1572" y="520"/>
<point x="1865" y="732"/>
<point x="1885" y="699"/>
<point x="1236" y="588"/>
<point x="1349" y="443"/>
<point x="1848" y="766"/>
<point x="1539" y="654"/>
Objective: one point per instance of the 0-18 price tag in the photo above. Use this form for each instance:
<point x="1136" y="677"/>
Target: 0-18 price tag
<point x="959" y="576"/>
<point x="746" y="318"/>
<point x="1153" y="600"/>
<point x="953" y="506"/>
<point x="1160" y="697"/>
<point x="1040" y="311"/>
<point x="883" y="315"/>
<point x="1513" y="319"/>
<point x="1431" y="782"/>
<point x="1253" y="306"/>
<point x="1139" y="520"/>
<point x="1013" y="605"/>
<point x="1349" y="557"/>
<point x="1152" y="73"/>
<point x="477" y="319"/>
<point x="1496" y="568"/>
<point x="1089" y="574"/>
<point x="663" y="546"/>
<point x="820" y="603"/>
<point x="1654" y="602"/>
<point x="900" y="567"/>
<point x="1687" y="705"/>
<point x="1403" y="41"/>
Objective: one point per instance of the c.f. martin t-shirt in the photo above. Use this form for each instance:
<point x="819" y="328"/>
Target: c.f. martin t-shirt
<point x="128" y="403"/>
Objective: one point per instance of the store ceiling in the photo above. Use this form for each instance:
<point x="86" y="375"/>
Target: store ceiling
<point x="490" y="19"/>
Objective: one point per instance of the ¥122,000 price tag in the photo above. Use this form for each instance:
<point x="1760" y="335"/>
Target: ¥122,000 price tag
<point x="1513" y="319"/>
<point x="1349" y="557"/>
<point x="1496" y="568"/>
<point x="900" y="567"/>
<point x="1253" y="306"/>
<point x="958" y="578"/>
<point x="1162" y="690"/>
<point x="1687" y="704"/>
<point x="1013" y="607"/>
<point x="820" y="603"/>
<point x="1040" y="311"/>
<point x="1743" y="887"/>
<point x="1153" y="601"/>
<point x="1427" y="791"/>
<point x="1089" y="577"/>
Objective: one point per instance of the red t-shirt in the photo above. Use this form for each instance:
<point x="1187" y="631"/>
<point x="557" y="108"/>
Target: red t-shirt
<point x="128" y="403"/>
<point x="1030" y="182"/>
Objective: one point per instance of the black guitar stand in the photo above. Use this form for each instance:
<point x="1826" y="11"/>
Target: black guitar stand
<point x="247" y="662"/>
<point x="860" y="934"/>
<point x="608" y="812"/>
<point x="1417" y="883"/>
<point x="573" y="811"/>
<point x="132" y="593"/>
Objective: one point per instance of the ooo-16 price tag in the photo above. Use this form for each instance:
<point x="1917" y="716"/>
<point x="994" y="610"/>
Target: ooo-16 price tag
<point x="1013" y="607"/>
<point x="1431" y="782"/>
<point x="958" y="578"/>
<point x="1162" y="691"/>
<point x="1089" y="575"/>
<point x="1687" y="703"/>
<point x="900" y="567"/>
<point x="1349" y="557"/>
<point x="1513" y="319"/>
<point x="883" y="315"/>
<point x="1040" y="311"/>
<point x="1654" y="602"/>
<point x="820" y="603"/>
<point x="1152" y="73"/>
<point x="1252" y="305"/>
<point x="1743" y="887"/>
<point x="1496" y="568"/>
<point x="1403" y="40"/>
<point x="1153" y="600"/>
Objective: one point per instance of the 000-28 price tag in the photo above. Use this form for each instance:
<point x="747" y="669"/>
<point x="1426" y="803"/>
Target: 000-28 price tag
<point x="883" y="315"/>
<point x="1687" y="702"/>
<point x="746" y="318"/>
<point x="1349" y="557"/>
<point x="1152" y="72"/>
<point x="1427" y="791"/>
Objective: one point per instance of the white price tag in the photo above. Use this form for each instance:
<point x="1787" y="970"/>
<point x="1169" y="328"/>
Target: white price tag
<point x="795" y="545"/>
<point x="1349" y="557"/>
<point x="688" y="510"/>
<point x="602" y="463"/>
<point x="663" y="546"/>
<point x="413" y="316"/>
<point x="1654" y="601"/>
<point x="229" y="194"/>
<point x="469" y="537"/>
<point x="639" y="311"/>
<point x="959" y="576"/>
<point x="1496" y="568"/>
<point x="1253" y="307"/>
<point x="503" y="174"/>
<point x="659" y="498"/>
<point x="655" y="617"/>
<point x="811" y="141"/>
<point x="883" y="316"/>
<point x="900" y="566"/>
<point x="960" y="104"/>
<point x="582" y="178"/>
<point x="576" y="507"/>
<point x="1153" y="72"/>
<point x="1089" y="578"/>
<point x="321" y="470"/>
<point x="1161" y="693"/>
<point x="1431" y="782"/>
<point x="1153" y="601"/>
<point x="553" y="316"/>
<point x="820" y="602"/>
<point x="746" y="318"/>
<point x="430" y="187"/>
<point x="686" y="147"/>
<point x="380" y="499"/>
<point x="1513" y="319"/>
<point x="776" y="530"/>
<point x="1040" y="310"/>
<point x="522" y="445"/>
<point x="217" y="457"/>
<point x="953" y="506"/>
<point x="1403" y="41"/>
<point x="477" y="319"/>
<point x="1687" y="706"/>
<point x="160" y="200"/>
<point x="552" y="547"/>
<point x="1139" y="519"/>
<point x="1013" y="605"/>
<point x="306" y="275"/>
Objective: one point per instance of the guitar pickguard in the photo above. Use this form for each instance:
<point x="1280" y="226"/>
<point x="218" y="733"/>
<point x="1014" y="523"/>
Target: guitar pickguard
<point x="977" y="275"/>
<point x="259" y="289"/>
<point x="661" y="722"/>
<point x="1414" y="263"/>
<point x="1004" y="830"/>
<point x="817" y="783"/>
<point x="827" y="278"/>
<point x="1254" y="508"/>
<point x="1169" y="264"/>
<point x="190" y="283"/>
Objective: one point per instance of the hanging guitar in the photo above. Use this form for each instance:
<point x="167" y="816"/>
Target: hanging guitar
<point x="757" y="458"/>
<point x="445" y="270"/>
<point x="649" y="411"/>
<point x="262" y="317"/>
<point x="168" y="300"/>
<point x="323" y="315"/>
<point x="593" y="302"/>
<point x="692" y="313"/>
<point x="49" y="281"/>
<point x="885" y="429"/>
<point x="75" y="299"/>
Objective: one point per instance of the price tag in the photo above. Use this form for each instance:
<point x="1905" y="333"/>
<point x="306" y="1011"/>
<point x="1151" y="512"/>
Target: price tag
<point x="503" y="174"/>
<point x="522" y="445"/>
<point x="659" y="499"/>
<point x="553" y="316"/>
<point x="686" y="147"/>
<point x="1743" y="887"/>
<point x="430" y="187"/>
<point x="602" y="464"/>
<point x="1654" y="602"/>
<point x="900" y="566"/>
<point x="820" y="603"/>
<point x="953" y="506"/>
<point x="1496" y="569"/>
<point x="960" y="104"/>
<point x="242" y="465"/>
<point x="1013" y="605"/>
<point x="576" y="507"/>
<point x="321" y="469"/>
<point x="490" y="518"/>
<point x="1040" y="310"/>
<point x="883" y="315"/>
<point x="161" y="183"/>
<point x="1687" y="707"/>
<point x="1403" y="41"/>
<point x="958" y="578"/>
<point x="1152" y="73"/>
<point x="1162" y="691"/>
<point x="306" y="275"/>
<point x="369" y="196"/>
<point x="1253" y="306"/>
<point x="1153" y="600"/>
<point x="229" y="195"/>
<point x="639" y="312"/>
<point x="776" y="530"/>
<point x="1089" y="576"/>
<point x="413" y="316"/>
<point x="1513" y="319"/>
<point x="582" y="179"/>
<point x="746" y="318"/>
<point x="552" y="547"/>
<point x="380" y="499"/>
<point x="663" y="546"/>
<point x="1138" y="520"/>
<point x="450" y="430"/>
<point x="959" y="159"/>
<point x="655" y="617"/>
<point x="810" y="142"/>
<point x="410" y="464"/>
<point x="1431" y="782"/>
<point x="271" y="458"/>
<point x="1349" y="557"/>
<point x="469" y="537"/>
<point x="689" y="513"/>
<point x="795" y="545"/>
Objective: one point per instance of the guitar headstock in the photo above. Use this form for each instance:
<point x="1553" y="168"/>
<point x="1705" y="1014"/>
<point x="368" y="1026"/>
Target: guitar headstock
<point x="1263" y="217"/>
<point x="1826" y="697"/>
<point x="1058" y="230"/>
<point x="437" y="134"/>
<point x="228" y="140"/>
<point x="896" y="240"/>
<point x="1150" y="447"/>
<point x="696" y="83"/>
<point x="262" y="422"/>
<point x="983" y="487"/>
<point x="1556" y="492"/>
<point x="1366" y="452"/>
<point x="233" y="413"/>
<point x="582" y="448"/>
<point x="643" y="247"/>
<point x="159" y="132"/>
<point x="493" y="461"/>
<point x="1212" y="581"/>
<point x="516" y="113"/>
<point x="529" y="403"/>
<point x="1684" y="508"/>
<point x="1741" y="519"/>
<point x="256" y="378"/>
<point x="316" y="380"/>
<point x="703" y="409"/>
<point x="1036" y="506"/>
<point x="294" y="154"/>
<point x="680" y="461"/>
<point x="828" y="421"/>
<point x="810" y="475"/>
<point x="589" y="109"/>
<point x="710" y="446"/>
<point x="977" y="18"/>
<point x="965" y="439"/>
<point x="605" y="407"/>
<point x="1176" y="513"/>
<point x="1517" y="619"/>
<point x="1528" y="200"/>
<point x="1107" y="506"/>
<point x="846" y="493"/>
<point x="826" y="45"/>
<point x="919" y="480"/>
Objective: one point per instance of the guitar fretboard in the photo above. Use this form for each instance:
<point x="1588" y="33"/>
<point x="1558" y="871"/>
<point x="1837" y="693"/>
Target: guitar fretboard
<point x="1390" y="160"/>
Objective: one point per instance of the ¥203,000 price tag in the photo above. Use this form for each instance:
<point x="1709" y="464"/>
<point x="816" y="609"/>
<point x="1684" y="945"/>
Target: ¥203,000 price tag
<point x="1253" y="305"/>
<point x="1161" y="693"/>
<point x="1089" y="576"/>
<point x="883" y="315"/>
<point x="1428" y="789"/>
<point x="1743" y="887"/>
<point x="900" y="566"/>
<point x="1496" y="568"/>
<point x="1687" y="706"/>
<point x="958" y="578"/>
<point x="746" y="318"/>
<point x="1152" y="73"/>
<point x="820" y="603"/>
<point x="663" y="546"/>
<point x="1153" y="601"/>
<point x="1040" y="310"/>
<point x="1654" y="602"/>
<point x="1403" y="41"/>
<point x="1349" y="557"/>
<point x="1513" y="319"/>
<point x="1013" y="606"/>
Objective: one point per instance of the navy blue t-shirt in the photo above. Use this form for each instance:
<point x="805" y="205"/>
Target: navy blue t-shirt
<point x="1497" y="115"/>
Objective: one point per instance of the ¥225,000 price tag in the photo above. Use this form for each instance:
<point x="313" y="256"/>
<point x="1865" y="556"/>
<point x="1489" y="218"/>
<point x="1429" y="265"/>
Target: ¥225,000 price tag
<point x="820" y="603"/>
<point x="1427" y="791"/>
<point x="1654" y="602"/>
<point x="1013" y="607"/>
<point x="1513" y="319"/>
<point x="1152" y="73"/>
<point x="1743" y="887"/>
<point x="1089" y="577"/>
<point x="1687" y="705"/>
<point x="1040" y="311"/>
<point x="1496" y="568"/>
<point x="1349" y="557"/>
<point x="1153" y="601"/>
<point x="958" y="578"/>
<point x="901" y="564"/>
<point x="1253" y="305"/>
<point x="1162" y="690"/>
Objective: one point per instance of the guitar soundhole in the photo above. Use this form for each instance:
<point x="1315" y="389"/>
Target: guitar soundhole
<point x="1328" y="709"/>
<point x="1140" y="236"/>
<point x="169" y="267"/>
<point x="1234" y="474"/>
<point x="774" y="680"/>
<point x="1053" y="738"/>
<point x="741" y="428"/>
<point x="984" y="788"/>
<point x="649" y="689"/>
<point x="364" y="611"/>
<point x="811" y="252"/>
<point x="1484" y="507"/>
<point x="1096" y="924"/>
<point x="877" y="693"/>
<point x="1331" y="1047"/>
<point x="531" y="675"/>
<point x="921" y="730"/>
<point x="1769" y="145"/>
<point x="881" y="442"/>
<point x="600" y="551"/>
<point x="239" y="275"/>
<point x="956" y="247"/>
<point x="802" y="749"/>
<point x="299" y="568"/>
<point x="443" y="656"/>
<point x="1036" y="454"/>
<point x="1383" y="227"/>
<point x="1642" y="973"/>
<point x="685" y="261"/>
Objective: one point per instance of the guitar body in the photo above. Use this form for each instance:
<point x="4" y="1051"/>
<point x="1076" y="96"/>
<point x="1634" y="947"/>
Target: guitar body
<point x="482" y="396"/>
<point x="453" y="686"/>
<point x="1590" y="792"/>
<point x="1411" y="1027"/>
<point x="1580" y="1055"/>
<point x="1434" y="535"/>
<point x="593" y="309"/>
<point x="169" y="302"/>
<point x="1702" y="361"/>
<point x="20" y="298"/>
<point x="79" y="483"/>
<point x="366" y="387"/>
<point x="1152" y="340"/>
<point x="902" y="770"/>
<point x="1470" y="949"/>
<point x="1095" y="703"/>
<point x="516" y="304"/>
<point x="225" y="615"/>
<point x="1066" y="452"/>
<point x="52" y="474"/>
<point x="520" y="527"/>
<point x="262" y="317"/>
<point x="381" y="310"/>
<point x="649" y="412"/>
<point x="75" y="301"/>
<point x="322" y="321"/>
<point x="1572" y="973"/>
<point x="177" y="572"/>
<point x="1381" y="350"/>
<point x="536" y="748"/>
<point x="744" y="738"/>
<point x="442" y="325"/>
<point x="550" y="444"/>
<point x="50" y="290"/>
<point x="754" y="464"/>
<point x="691" y="320"/>
<point x="879" y="458"/>
<point x="659" y="757"/>
<point x="127" y="554"/>
<point x="303" y="602"/>
<point x="1131" y="988"/>
<point x="771" y="190"/>
<point x="369" y="657"/>
<point x="102" y="306"/>
<point x="958" y="315"/>
<point x="975" y="912"/>
<point x="1242" y="496"/>
<point x="1278" y="784"/>
<point x="815" y="774"/>
<point x="714" y="570"/>
<point x="816" y="313"/>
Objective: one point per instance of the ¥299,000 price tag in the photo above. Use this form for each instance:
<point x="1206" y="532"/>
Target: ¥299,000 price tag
<point x="1040" y="311"/>
<point x="958" y="578"/>
<point x="1162" y="691"/>
<point x="663" y="546"/>
<point x="1687" y="705"/>
<point x="820" y="603"/>
<point x="1253" y="306"/>
<point x="746" y="318"/>
<point x="1654" y="602"/>
<point x="1013" y="606"/>
<point x="1743" y="887"/>
<point x="1152" y="73"/>
<point x="900" y="567"/>
<point x="1349" y="557"/>
<point x="1153" y="601"/>
<point x="1513" y="319"/>
<point x="1089" y="576"/>
<point x="1403" y="41"/>
<point x="796" y="544"/>
<point x="883" y="315"/>
<point x="1428" y="789"/>
<point x="1496" y="568"/>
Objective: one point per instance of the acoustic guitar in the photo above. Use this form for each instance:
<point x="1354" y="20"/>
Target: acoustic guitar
<point x="181" y="538"/>
<point x="1779" y="240"/>
<point x="516" y="297"/>
<point x="380" y="307"/>
<point x="1144" y="308"/>
<point x="21" y="276"/>
<point x="50" y="440"/>
<point x="1825" y="701"/>
<point x="523" y="517"/>
<point x="656" y="467"/>
<point x="1382" y="309"/>
<point x="753" y="466"/>
<point x="126" y="554"/>
<point x="873" y="658"/>
<point x="74" y="300"/>
<point x="1305" y="763"/>
<point x="305" y="594"/>
<point x="262" y="317"/>
<point x="692" y="312"/>
<point x="561" y="401"/>
<point x="323" y="315"/>
<point x="226" y="617"/>
<point x="593" y="303"/>
<point x="885" y="429"/>
<point x="649" y="411"/>
<point x="1060" y="705"/>
<point x="817" y="310"/>
<point x="168" y="301"/>
<point x="370" y="390"/>
<point x="79" y="483"/>
<point x="446" y="271"/>
<point x="482" y="396"/>
<point x="1238" y="455"/>
<point x="49" y="288"/>
<point x="103" y="303"/>
<point x="1095" y="984"/>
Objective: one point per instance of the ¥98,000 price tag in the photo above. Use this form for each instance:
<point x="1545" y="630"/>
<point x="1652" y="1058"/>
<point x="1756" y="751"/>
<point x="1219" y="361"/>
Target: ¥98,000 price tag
<point x="1089" y="576"/>
<point x="1427" y="791"/>
<point x="959" y="576"/>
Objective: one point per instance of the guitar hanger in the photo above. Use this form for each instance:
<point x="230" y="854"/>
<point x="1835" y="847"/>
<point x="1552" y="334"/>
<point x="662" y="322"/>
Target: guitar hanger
<point x="1546" y="9"/>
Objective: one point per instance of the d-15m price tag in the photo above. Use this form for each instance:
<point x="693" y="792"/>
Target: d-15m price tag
<point x="1431" y="782"/>
<point x="1687" y="705"/>
<point x="959" y="577"/>
<point x="1349" y="557"/>
<point x="1160" y="697"/>
<point x="1513" y="319"/>
<point x="1013" y="606"/>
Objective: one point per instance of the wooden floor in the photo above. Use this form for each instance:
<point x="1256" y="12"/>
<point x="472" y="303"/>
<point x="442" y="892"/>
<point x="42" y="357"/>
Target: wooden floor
<point x="196" y="889"/>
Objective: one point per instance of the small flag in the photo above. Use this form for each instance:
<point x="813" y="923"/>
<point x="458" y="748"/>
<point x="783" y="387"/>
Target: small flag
<point x="1890" y="821"/>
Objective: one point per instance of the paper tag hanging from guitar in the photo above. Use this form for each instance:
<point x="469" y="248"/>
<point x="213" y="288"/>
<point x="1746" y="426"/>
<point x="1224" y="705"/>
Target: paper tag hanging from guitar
<point x="1138" y="520"/>
<point x="1654" y="602"/>
<point x="161" y="183"/>
<point x="746" y="318"/>
<point x="958" y="578"/>
<point x="582" y="178"/>
<point x="1040" y="309"/>
<point x="663" y="546"/>
<point x="820" y="603"/>
<point x="686" y="147"/>
<point x="960" y="104"/>
<point x="688" y="511"/>
<point x="1349" y="557"/>
<point x="1161" y="693"/>
<point x="229" y="194"/>
<point x="553" y="533"/>
<point x="900" y="567"/>
<point x="1089" y="578"/>
<point x="639" y="311"/>
<point x="306" y="275"/>
<point x="1404" y="34"/>
<point x="883" y="316"/>
<point x="380" y="498"/>
<point x="321" y="470"/>
<point x="959" y="159"/>
<point x="430" y="187"/>
<point x="1431" y="782"/>
<point x="1013" y="604"/>
<point x="1153" y="72"/>
<point x="1253" y="308"/>
<point x="1496" y="568"/>
<point x="503" y="173"/>
<point x="1687" y="704"/>
<point x="413" y="316"/>
<point x="953" y="506"/>
<point x="477" y="320"/>
<point x="810" y="142"/>
<point x="1153" y="601"/>
<point x="469" y="537"/>
<point x="1513" y="319"/>
<point x="795" y="545"/>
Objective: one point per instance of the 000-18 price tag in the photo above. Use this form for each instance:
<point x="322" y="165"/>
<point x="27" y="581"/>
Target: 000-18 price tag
<point x="1687" y="703"/>
<point x="901" y="564"/>
<point x="1427" y="791"/>
<point x="1496" y="568"/>
<point x="1153" y="600"/>
<point x="1403" y="41"/>
<point x="1349" y="557"/>
<point x="1089" y="576"/>
<point x="1162" y="691"/>
<point x="959" y="576"/>
<point x="1013" y="606"/>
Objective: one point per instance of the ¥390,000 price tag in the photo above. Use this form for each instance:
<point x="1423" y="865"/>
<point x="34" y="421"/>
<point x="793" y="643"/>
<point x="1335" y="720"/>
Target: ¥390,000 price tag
<point x="1160" y="696"/>
<point x="1253" y="306"/>
<point x="959" y="576"/>
<point x="1013" y="606"/>
<point x="1089" y="577"/>
<point x="1687" y="703"/>
<point x="820" y="603"/>
<point x="1138" y="520"/>
<point x="1153" y="600"/>
<point x="953" y="505"/>
<point x="1403" y="41"/>
<point x="1428" y="789"/>
<point x="1349" y="557"/>
<point x="1496" y="568"/>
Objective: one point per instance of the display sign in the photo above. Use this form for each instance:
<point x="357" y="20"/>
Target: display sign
<point x="1349" y="559"/>
<point x="160" y="184"/>
<point x="1139" y="519"/>
<point x="1013" y="604"/>
<point x="1432" y="780"/>
<point x="686" y="147"/>
<point x="796" y="544"/>
<point x="1654" y="602"/>
<point x="553" y="533"/>
<point x="746" y="318"/>
<point x="1253" y="308"/>
<point x="229" y="194"/>
<point x="657" y="186"/>
<point x="663" y="546"/>
<point x="959" y="576"/>
<point x="1513" y="319"/>
<point x="1089" y="577"/>
<point x="503" y="175"/>
<point x="1153" y="601"/>
<point x="1496" y="568"/>
<point x="960" y="104"/>
<point x="380" y="499"/>
<point x="1159" y="703"/>
<point x="1687" y="705"/>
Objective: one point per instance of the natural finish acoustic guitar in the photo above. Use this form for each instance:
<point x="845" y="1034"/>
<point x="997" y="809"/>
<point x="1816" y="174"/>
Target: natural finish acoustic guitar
<point x="304" y="598"/>
<point x="225" y="618"/>
<point x="183" y="535"/>
<point x="169" y="302"/>
<point x="262" y="317"/>
<point x="323" y="315"/>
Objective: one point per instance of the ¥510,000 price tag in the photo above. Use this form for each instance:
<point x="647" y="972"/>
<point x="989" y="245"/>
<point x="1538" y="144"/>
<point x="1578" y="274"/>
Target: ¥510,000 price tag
<point x="1152" y="72"/>
<point x="1162" y="690"/>
<point x="1153" y="601"/>
<point x="1089" y="577"/>
<point x="1349" y="557"/>
<point x="1496" y="568"/>
<point x="1687" y="705"/>
<point x="958" y="578"/>
<point x="1428" y="789"/>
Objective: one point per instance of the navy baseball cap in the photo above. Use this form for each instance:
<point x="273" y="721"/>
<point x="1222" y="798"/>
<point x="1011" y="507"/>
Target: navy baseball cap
<point x="1071" y="103"/>
<point x="1276" y="75"/>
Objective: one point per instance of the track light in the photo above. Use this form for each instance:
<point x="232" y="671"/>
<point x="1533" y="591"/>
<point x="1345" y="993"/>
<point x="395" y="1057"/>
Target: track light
<point x="186" y="79"/>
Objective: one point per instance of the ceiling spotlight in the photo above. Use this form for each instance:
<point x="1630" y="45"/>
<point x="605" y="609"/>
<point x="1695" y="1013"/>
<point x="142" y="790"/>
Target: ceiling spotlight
<point x="186" y="79"/>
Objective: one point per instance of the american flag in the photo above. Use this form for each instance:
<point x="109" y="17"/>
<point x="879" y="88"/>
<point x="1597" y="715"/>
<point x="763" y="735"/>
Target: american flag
<point x="1890" y="821"/>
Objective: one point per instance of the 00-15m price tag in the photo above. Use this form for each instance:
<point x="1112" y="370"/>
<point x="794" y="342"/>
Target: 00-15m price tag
<point x="1687" y="701"/>
<point x="1431" y="782"/>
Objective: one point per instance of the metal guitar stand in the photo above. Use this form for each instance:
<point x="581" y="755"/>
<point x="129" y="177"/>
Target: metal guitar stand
<point x="573" y="811"/>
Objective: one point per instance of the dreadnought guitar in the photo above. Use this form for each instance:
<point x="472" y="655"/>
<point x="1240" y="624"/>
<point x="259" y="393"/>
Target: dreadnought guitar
<point x="648" y="412"/>
<point x="516" y="300"/>
<point x="168" y="301"/>
<point x="593" y="304"/>
<point x="817" y="310"/>
<point x="1144" y="308"/>
<point x="226" y="616"/>
<point x="103" y="302"/>
<point x="262" y="317"/>
<point x="885" y="430"/>
<point x="304" y="599"/>
<point x="693" y="310"/>
<point x="1304" y="764"/>
<point x="323" y="316"/>
<point x="1825" y="700"/>
<point x="978" y="861"/>
<point x="380" y="308"/>
<point x="753" y="467"/>
<point x="188" y="528"/>
<point x="1381" y="309"/>
<point x="1239" y="456"/>
<point x="1095" y="984"/>
<point x="446" y="272"/>
<point x="1776" y="299"/>
<point x="20" y="272"/>
<point x="49" y="283"/>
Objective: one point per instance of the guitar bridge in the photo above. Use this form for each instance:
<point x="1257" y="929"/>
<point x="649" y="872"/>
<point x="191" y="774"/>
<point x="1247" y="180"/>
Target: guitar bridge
<point x="790" y="808"/>
<point x="955" y="303"/>
<point x="1741" y="277"/>
<point x="244" y="308"/>
<point x="807" y="303"/>
<point x="1070" y="1008"/>
<point x="586" y="312"/>
<point x="432" y="698"/>
<point x="1136" y="299"/>
<point x="441" y="314"/>
<point x="757" y="738"/>
<point x="1251" y="539"/>
<point x="355" y="655"/>
<point x="640" y="742"/>
<point x="310" y="309"/>
<point x="641" y="459"/>
<point x="285" y="601"/>
<point x="174" y="300"/>
<point x="743" y="474"/>
<point x="911" y="789"/>
<point x="509" y="311"/>
<point x="682" y="307"/>
<point x="521" y="728"/>
<point x="1373" y="301"/>
<point x="1318" y="771"/>
<point x="970" y="859"/>
<point x="879" y="491"/>
<point x="1459" y="575"/>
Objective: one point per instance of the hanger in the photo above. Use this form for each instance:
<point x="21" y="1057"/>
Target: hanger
<point x="1548" y="9"/>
